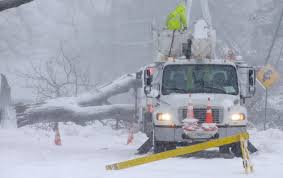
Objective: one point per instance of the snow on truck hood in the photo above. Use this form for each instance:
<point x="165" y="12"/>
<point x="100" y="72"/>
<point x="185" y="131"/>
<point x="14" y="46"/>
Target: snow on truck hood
<point x="217" y="100"/>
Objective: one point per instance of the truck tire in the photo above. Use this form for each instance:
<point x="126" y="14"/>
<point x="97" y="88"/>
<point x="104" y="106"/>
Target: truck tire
<point x="224" y="149"/>
<point x="236" y="149"/>
<point x="170" y="146"/>
<point x="163" y="146"/>
<point x="158" y="147"/>
<point x="147" y="124"/>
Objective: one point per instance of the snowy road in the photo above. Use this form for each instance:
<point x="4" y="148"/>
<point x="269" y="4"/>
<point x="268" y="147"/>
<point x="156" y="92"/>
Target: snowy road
<point x="30" y="153"/>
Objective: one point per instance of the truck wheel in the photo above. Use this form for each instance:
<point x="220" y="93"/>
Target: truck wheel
<point x="224" y="149"/>
<point x="170" y="146"/>
<point x="158" y="147"/>
<point x="236" y="149"/>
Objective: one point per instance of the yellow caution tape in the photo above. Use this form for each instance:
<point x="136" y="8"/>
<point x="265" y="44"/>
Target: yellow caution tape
<point x="178" y="152"/>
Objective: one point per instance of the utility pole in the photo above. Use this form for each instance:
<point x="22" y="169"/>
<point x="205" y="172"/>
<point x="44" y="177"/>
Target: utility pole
<point x="265" y="108"/>
<point x="274" y="37"/>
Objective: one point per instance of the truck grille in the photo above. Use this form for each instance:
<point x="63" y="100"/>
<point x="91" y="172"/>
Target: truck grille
<point x="201" y="112"/>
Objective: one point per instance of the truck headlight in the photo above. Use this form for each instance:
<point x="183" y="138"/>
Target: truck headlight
<point x="163" y="117"/>
<point x="238" y="117"/>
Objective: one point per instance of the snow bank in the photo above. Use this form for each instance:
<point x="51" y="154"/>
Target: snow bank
<point x="269" y="141"/>
<point x="9" y="120"/>
<point x="31" y="153"/>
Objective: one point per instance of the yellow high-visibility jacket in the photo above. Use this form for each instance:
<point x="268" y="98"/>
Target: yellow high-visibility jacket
<point x="177" y="19"/>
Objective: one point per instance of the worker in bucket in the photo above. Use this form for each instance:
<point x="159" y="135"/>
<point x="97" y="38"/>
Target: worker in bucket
<point x="177" y="19"/>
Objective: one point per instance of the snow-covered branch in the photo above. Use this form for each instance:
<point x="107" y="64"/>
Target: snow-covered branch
<point x="118" y="86"/>
<point x="8" y="4"/>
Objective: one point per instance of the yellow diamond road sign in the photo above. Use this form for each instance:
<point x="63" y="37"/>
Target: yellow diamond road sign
<point x="267" y="76"/>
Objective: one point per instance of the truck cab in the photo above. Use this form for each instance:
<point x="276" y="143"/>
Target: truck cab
<point x="168" y="86"/>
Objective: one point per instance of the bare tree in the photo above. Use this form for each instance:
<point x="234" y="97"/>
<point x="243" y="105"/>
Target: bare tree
<point x="57" y="77"/>
<point x="8" y="4"/>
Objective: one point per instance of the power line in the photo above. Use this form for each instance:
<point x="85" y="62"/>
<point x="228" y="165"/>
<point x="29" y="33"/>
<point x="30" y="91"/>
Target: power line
<point x="274" y="38"/>
<point x="279" y="57"/>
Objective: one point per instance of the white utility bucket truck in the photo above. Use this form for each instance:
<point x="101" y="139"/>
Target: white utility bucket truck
<point x="190" y="96"/>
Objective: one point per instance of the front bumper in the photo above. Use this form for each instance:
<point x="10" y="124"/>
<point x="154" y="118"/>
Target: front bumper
<point x="175" y="133"/>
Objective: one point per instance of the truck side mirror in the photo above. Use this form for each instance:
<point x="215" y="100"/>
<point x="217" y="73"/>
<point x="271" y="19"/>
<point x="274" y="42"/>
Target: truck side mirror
<point x="147" y="90"/>
<point x="252" y="79"/>
<point x="154" y="93"/>
<point x="151" y="91"/>
<point x="148" y="76"/>
<point x="247" y="80"/>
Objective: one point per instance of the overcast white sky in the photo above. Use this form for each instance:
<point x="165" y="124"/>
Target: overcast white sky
<point x="112" y="37"/>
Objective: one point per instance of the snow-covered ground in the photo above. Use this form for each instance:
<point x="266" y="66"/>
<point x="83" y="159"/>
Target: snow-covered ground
<point x="30" y="153"/>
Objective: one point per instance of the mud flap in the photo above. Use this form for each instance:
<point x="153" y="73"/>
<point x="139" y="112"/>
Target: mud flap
<point x="251" y="148"/>
<point x="146" y="146"/>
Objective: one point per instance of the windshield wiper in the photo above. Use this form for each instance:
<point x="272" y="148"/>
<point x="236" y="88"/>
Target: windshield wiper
<point x="215" y="88"/>
<point x="177" y="89"/>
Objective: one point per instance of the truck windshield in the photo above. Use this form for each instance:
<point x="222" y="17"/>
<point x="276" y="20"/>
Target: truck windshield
<point x="200" y="78"/>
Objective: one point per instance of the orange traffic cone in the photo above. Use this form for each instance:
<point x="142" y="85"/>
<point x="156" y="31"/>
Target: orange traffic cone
<point x="209" y="125"/>
<point x="130" y="137"/>
<point x="190" y="123"/>
<point x="57" y="139"/>
<point x="209" y="116"/>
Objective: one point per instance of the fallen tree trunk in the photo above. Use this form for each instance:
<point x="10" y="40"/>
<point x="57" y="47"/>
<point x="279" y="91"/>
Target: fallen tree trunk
<point x="79" y="115"/>
<point x="103" y="93"/>
<point x="82" y="109"/>
<point x="8" y="4"/>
